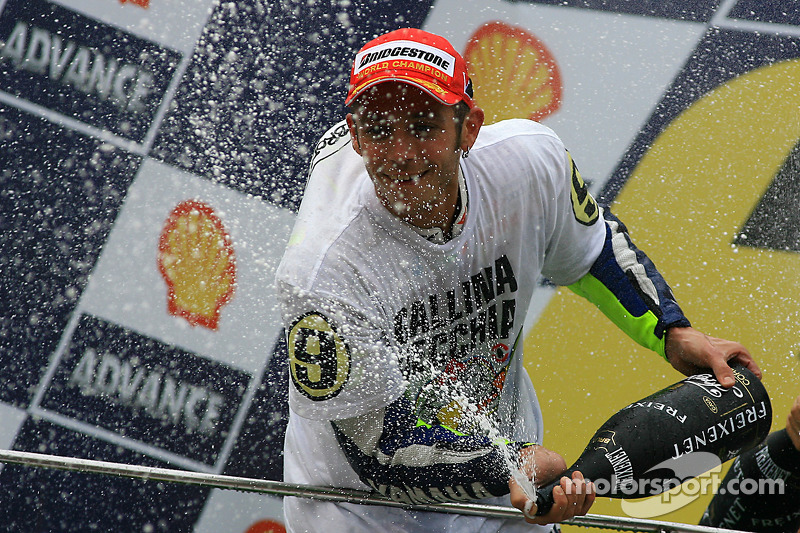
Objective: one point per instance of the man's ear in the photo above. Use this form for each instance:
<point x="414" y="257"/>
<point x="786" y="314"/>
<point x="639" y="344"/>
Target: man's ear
<point x="351" y="125"/>
<point x="472" y="125"/>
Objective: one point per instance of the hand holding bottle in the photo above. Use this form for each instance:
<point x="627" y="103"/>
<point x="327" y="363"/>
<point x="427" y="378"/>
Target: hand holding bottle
<point x="774" y="469"/>
<point x="691" y="352"/>
<point x="632" y="450"/>
<point x="572" y="497"/>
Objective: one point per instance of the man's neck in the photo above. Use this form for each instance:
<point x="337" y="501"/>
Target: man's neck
<point x="450" y="228"/>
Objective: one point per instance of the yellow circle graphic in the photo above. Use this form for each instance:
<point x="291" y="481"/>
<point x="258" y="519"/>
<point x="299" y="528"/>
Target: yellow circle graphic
<point x="319" y="360"/>
<point x="685" y="202"/>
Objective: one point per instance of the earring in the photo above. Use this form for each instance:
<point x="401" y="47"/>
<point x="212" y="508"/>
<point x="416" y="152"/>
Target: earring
<point x="465" y="154"/>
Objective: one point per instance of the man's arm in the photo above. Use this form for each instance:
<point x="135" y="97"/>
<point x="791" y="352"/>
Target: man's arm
<point x="626" y="286"/>
<point x="408" y="460"/>
<point x="413" y="462"/>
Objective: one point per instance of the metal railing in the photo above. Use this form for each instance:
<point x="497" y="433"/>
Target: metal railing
<point x="277" y="488"/>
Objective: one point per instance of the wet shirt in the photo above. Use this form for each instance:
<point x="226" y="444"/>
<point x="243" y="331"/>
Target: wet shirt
<point x="382" y="320"/>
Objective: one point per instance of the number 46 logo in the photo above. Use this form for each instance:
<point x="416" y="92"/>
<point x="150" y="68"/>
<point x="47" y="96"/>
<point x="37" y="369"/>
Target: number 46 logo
<point x="725" y="173"/>
<point x="687" y="202"/>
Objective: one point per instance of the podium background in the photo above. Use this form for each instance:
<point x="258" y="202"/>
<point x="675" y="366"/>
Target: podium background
<point x="115" y="113"/>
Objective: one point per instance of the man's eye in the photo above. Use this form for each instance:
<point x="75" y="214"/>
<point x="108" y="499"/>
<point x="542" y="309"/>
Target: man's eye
<point x="377" y="132"/>
<point x="422" y="130"/>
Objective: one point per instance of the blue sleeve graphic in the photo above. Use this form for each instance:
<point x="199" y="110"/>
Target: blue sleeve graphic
<point x="410" y="461"/>
<point x="626" y="286"/>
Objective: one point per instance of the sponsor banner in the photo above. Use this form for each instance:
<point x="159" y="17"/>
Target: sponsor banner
<point x="11" y="419"/>
<point x="45" y="499"/>
<point x="115" y="379"/>
<point x="722" y="54"/>
<point x="704" y="189"/>
<point x="256" y="513"/>
<point x="249" y="112"/>
<point x="61" y="193"/>
<point x="245" y="121"/>
<point x="175" y="24"/>
<point x="192" y="264"/>
<point x="686" y="10"/>
<point x="96" y="74"/>
<point x="265" y="84"/>
<point x="253" y="126"/>
<point x="258" y="450"/>
<point x="769" y="12"/>
<point x="170" y="339"/>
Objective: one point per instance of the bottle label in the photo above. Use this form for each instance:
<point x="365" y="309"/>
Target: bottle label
<point x="672" y="411"/>
<point x="622" y="479"/>
<point x="623" y="469"/>
<point x="735" y="421"/>
<point x="768" y="468"/>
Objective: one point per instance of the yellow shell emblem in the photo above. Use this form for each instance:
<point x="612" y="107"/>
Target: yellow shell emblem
<point x="514" y="74"/>
<point x="197" y="261"/>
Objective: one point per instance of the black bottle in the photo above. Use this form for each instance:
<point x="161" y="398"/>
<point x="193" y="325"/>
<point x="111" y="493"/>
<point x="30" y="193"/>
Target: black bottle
<point x="761" y="491"/>
<point x="679" y="432"/>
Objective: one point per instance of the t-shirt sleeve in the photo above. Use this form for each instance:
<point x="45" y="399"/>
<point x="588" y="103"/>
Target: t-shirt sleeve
<point x="340" y="362"/>
<point x="578" y="230"/>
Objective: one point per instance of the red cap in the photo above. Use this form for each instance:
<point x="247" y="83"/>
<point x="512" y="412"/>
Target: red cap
<point x="416" y="57"/>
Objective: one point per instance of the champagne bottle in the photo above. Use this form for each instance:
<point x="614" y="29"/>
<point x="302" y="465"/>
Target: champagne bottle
<point x="761" y="491"/>
<point x="681" y="431"/>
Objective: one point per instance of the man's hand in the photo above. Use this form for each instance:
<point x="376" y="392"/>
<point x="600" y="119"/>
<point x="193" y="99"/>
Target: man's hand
<point x="691" y="352"/>
<point x="793" y="423"/>
<point x="572" y="498"/>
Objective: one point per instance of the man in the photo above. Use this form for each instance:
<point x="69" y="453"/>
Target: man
<point x="404" y="289"/>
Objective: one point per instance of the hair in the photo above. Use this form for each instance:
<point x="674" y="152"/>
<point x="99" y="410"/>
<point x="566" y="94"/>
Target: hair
<point x="460" y="112"/>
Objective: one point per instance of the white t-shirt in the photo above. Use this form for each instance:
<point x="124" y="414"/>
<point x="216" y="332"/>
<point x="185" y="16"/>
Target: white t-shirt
<point x="374" y="311"/>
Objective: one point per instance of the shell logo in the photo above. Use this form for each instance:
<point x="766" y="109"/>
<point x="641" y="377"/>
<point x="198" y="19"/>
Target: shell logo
<point x="514" y="74"/>
<point x="197" y="261"/>
<point x="266" y="526"/>
<point x="141" y="3"/>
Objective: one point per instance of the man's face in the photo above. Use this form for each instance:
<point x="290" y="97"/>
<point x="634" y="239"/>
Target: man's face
<point x="410" y="146"/>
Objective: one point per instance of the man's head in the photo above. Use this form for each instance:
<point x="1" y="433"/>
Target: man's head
<point x="412" y="118"/>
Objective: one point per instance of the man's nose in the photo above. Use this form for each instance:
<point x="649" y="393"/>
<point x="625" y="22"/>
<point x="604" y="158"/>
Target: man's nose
<point x="403" y="148"/>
